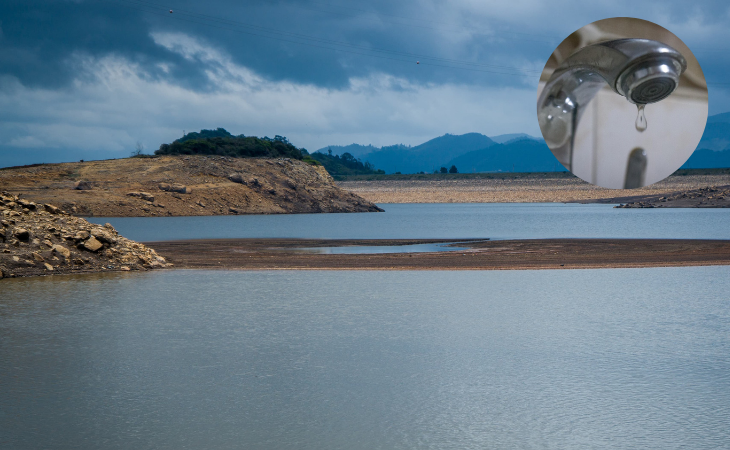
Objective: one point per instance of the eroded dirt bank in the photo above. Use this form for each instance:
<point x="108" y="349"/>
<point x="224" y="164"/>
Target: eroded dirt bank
<point x="183" y="186"/>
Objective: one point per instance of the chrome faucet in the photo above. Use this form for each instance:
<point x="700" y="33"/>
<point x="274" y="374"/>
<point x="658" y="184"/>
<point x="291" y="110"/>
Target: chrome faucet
<point x="642" y="70"/>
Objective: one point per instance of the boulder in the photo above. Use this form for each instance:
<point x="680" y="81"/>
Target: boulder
<point x="143" y="195"/>
<point x="82" y="185"/>
<point x="27" y="205"/>
<point x="51" y="209"/>
<point x="61" y="250"/>
<point x="237" y="178"/>
<point x="48" y="266"/>
<point x="103" y="236"/>
<point x="82" y="235"/>
<point x="179" y="188"/>
<point x="21" y="234"/>
<point x="92" y="244"/>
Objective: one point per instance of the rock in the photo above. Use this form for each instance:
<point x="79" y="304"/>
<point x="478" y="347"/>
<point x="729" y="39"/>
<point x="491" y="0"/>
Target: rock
<point x="124" y="268"/>
<point x="237" y="178"/>
<point x="92" y="244"/>
<point x="37" y="257"/>
<point x="51" y="209"/>
<point x="48" y="266"/>
<point x="61" y="250"/>
<point x="2" y="274"/>
<point x="179" y="188"/>
<point x="82" y="235"/>
<point x="143" y="195"/>
<point x="27" y="205"/>
<point x="21" y="234"/>
<point x="103" y="236"/>
<point x="82" y="185"/>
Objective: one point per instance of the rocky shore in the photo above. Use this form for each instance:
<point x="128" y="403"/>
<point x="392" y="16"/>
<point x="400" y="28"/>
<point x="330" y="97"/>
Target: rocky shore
<point x="709" y="197"/>
<point x="41" y="239"/>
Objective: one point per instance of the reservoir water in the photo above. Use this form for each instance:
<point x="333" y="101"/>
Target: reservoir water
<point x="569" y="359"/>
<point x="437" y="221"/>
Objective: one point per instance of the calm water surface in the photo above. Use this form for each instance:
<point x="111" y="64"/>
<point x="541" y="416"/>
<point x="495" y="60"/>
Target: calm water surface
<point x="572" y="359"/>
<point x="458" y="221"/>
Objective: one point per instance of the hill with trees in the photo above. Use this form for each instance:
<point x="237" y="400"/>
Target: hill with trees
<point x="428" y="156"/>
<point x="342" y="165"/>
<point x="522" y="155"/>
<point x="222" y="143"/>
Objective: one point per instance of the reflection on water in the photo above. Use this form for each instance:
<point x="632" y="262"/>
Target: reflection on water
<point x="443" y="221"/>
<point x="571" y="359"/>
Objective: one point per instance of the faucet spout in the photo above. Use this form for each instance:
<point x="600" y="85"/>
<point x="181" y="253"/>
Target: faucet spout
<point x="641" y="70"/>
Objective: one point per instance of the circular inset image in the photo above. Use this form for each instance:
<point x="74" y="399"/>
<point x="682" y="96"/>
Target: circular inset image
<point x="622" y="103"/>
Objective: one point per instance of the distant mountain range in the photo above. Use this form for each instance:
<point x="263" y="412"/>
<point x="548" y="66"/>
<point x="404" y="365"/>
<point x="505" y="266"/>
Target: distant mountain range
<point x="519" y="152"/>
<point x="713" y="150"/>
<point x="472" y="149"/>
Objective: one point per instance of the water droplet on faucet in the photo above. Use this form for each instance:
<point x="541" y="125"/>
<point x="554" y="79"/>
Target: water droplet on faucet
<point x="640" y="119"/>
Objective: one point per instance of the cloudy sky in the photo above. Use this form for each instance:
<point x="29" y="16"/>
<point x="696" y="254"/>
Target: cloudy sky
<point x="92" y="78"/>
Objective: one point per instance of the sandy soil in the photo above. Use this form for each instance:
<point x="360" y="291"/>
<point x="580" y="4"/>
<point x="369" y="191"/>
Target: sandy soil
<point x="260" y="254"/>
<point x="521" y="189"/>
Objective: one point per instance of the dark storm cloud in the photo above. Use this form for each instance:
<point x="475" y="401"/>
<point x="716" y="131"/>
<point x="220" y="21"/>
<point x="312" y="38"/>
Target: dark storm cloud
<point x="299" y="41"/>
<point x="320" y="42"/>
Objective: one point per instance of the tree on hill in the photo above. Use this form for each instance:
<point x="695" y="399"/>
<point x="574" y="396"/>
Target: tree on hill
<point x="444" y="170"/>
<point x="344" y="164"/>
<point x="204" y="134"/>
<point x="221" y="142"/>
<point x="453" y="169"/>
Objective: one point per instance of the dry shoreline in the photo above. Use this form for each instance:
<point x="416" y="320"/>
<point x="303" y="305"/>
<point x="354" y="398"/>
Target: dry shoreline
<point x="283" y="254"/>
<point x="521" y="189"/>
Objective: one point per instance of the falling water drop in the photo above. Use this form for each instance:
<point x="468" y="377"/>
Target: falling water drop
<point x="640" y="119"/>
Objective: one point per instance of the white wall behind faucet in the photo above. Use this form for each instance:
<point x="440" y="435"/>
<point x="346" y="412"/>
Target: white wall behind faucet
<point x="606" y="134"/>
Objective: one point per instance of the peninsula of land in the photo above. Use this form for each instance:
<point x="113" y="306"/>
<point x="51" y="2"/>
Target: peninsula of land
<point x="183" y="185"/>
